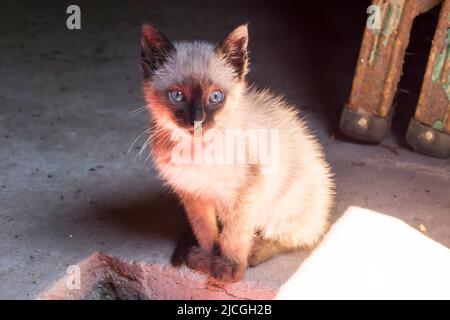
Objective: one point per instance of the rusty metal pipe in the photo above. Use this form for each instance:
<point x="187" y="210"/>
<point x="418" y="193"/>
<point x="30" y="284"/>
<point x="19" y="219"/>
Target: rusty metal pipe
<point x="429" y="131"/>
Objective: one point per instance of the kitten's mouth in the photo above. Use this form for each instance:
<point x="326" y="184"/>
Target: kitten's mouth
<point x="198" y="126"/>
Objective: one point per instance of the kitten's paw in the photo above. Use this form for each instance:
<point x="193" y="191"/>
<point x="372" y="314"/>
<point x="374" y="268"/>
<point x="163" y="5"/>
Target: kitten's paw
<point x="199" y="259"/>
<point x="227" y="270"/>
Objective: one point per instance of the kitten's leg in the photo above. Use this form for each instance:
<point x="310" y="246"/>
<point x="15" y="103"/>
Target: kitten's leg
<point x="235" y="243"/>
<point x="264" y="249"/>
<point x="199" y="259"/>
<point x="202" y="218"/>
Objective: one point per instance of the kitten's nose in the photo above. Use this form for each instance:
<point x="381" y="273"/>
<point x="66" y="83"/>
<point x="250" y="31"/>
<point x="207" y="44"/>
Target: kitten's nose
<point x="198" y="114"/>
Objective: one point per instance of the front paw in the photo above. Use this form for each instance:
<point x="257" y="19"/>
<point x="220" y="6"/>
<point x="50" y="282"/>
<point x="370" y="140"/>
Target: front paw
<point x="199" y="259"/>
<point x="227" y="270"/>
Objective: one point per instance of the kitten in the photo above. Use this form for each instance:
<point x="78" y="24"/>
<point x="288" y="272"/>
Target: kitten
<point x="241" y="213"/>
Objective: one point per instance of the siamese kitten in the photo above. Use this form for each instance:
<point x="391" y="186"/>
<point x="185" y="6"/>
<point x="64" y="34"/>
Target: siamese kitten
<point x="241" y="213"/>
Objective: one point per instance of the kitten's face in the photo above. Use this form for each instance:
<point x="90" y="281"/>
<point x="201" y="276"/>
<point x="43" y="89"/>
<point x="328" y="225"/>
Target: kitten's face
<point x="188" y="82"/>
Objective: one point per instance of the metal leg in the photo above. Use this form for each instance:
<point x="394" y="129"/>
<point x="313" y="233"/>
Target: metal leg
<point x="429" y="131"/>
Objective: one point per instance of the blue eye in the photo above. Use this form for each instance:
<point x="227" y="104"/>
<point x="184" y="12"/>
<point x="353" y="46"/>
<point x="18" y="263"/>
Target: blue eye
<point x="216" y="96"/>
<point x="176" y="96"/>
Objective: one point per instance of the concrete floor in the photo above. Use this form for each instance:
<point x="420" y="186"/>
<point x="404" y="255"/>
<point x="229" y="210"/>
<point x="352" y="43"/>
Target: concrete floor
<point x="69" y="188"/>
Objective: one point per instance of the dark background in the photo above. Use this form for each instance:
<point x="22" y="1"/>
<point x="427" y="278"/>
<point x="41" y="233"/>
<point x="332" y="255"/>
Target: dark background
<point x="308" y="45"/>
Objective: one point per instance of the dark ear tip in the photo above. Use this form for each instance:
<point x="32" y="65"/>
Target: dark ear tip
<point x="242" y="29"/>
<point x="148" y="28"/>
<point x="240" y="32"/>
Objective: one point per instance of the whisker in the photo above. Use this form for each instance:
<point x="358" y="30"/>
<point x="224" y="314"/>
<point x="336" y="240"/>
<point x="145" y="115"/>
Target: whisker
<point x="135" y="140"/>
<point x="148" y="157"/>
<point x="144" y="146"/>
<point x="138" y="110"/>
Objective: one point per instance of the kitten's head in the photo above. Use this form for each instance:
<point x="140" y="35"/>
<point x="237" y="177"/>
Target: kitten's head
<point x="187" y="82"/>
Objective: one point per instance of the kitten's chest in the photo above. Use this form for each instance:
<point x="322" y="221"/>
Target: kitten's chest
<point x="216" y="181"/>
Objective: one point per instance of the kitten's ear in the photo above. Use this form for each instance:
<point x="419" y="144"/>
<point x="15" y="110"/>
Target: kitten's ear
<point x="234" y="48"/>
<point x="155" y="49"/>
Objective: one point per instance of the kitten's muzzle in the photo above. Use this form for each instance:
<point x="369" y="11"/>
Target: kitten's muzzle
<point x="198" y="114"/>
